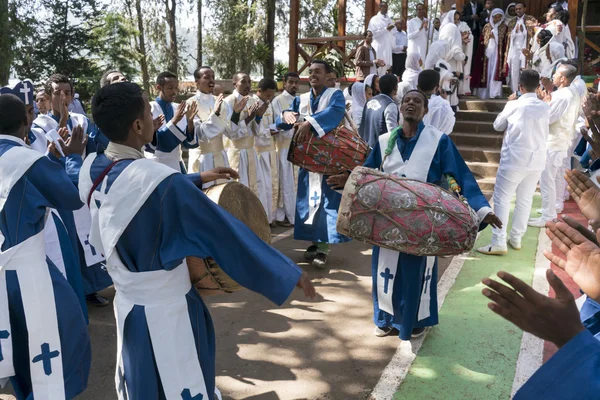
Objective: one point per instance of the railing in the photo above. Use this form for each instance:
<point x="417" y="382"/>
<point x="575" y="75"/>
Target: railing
<point x="308" y="48"/>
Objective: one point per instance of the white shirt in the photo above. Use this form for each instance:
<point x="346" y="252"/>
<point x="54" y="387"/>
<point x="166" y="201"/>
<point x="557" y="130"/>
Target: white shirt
<point x="401" y="41"/>
<point x="564" y="110"/>
<point x="417" y="37"/>
<point x="373" y="69"/>
<point x="440" y="115"/>
<point x="383" y="40"/>
<point x="518" y="38"/>
<point x="526" y="123"/>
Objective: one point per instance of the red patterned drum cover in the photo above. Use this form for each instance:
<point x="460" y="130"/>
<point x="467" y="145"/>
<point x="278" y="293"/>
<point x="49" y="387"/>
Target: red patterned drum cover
<point x="337" y="151"/>
<point x="405" y="215"/>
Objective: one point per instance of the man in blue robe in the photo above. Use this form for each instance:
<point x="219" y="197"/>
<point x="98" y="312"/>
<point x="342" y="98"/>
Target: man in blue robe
<point x="318" y="112"/>
<point x="147" y="218"/>
<point x="44" y="342"/>
<point x="405" y="286"/>
<point x="95" y="277"/>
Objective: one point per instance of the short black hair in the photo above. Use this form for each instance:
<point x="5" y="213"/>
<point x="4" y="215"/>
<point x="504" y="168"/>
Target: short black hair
<point x="161" y="79"/>
<point x="266" y="84"/>
<point x="197" y="74"/>
<point x="104" y="79"/>
<point x="237" y="74"/>
<point x="425" y="99"/>
<point x="545" y="35"/>
<point x="56" y="78"/>
<point x="322" y="62"/>
<point x="13" y="114"/>
<point x="365" y="33"/>
<point x="529" y="79"/>
<point x="563" y="16"/>
<point x="520" y="2"/>
<point x="290" y="75"/>
<point x="428" y="80"/>
<point x="115" y="107"/>
<point x="388" y="83"/>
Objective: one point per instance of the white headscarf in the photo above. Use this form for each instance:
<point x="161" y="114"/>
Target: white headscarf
<point x="369" y="80"/>
<point x="507" y="16"/>
<point x="493" y="44"/>
<point x="451" y="35"/>
<point x="448" y="19"/>
<point x="359" y="99"/>
<point x="412" y="70"/>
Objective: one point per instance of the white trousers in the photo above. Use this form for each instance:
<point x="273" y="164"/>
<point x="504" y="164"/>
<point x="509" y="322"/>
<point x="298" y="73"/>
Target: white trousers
<point x="509" y="182"/>
<point x="288" y="183"/>
<point x="551" y="181"/>
<point x="265" y="186"/>
<point x="514" y="64"/>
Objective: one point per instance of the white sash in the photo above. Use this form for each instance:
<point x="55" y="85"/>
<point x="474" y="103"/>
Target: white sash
<point x="173" y="158"/>
<point x="315" y="180"/>
<point x="52" y="242"/>
<point x="417" y="167"/>
<point x="162" y="293"/>
<point x="28" y="259"/>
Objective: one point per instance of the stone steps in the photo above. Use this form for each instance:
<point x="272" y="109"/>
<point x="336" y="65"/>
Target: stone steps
<point x="474" y="115"/>
<point x="475" y="104"/>
<point x="480" y="154"/>
<point x="482" y="170"/>
<point x="478" y="140"/>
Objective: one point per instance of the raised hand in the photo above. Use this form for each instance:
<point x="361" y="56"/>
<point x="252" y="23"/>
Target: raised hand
<point x="239" y="106"/>
<point x="260" y="111"/>
<point x="158" y="121"/>
<point x="306" y="285"/>
<point x="582" y="257"/>
<point x="191" y="112"/>
<point x="219" y="173"/>
<point x="64" y="110"/>
<point x="338" y="181"/>
<point x="76" y="143"/>
<point x="179" y="113"/>
<point x="555" y="320"/>
<point x="63" y="133"/>
<point x="219" y="103"/>
<point x="290" y="117"/>
<point x="585" y="193"/>
<point x="253" y="110"/>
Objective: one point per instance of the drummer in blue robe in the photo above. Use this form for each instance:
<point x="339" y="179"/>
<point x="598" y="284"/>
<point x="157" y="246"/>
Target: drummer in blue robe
<point x="405" y="286"/>
<point x="60" y="88"/>
<point x="146" y="219"/>
<point x="61" y="248"/>
<point x="44" y="342"/>
<point x="318" y="112"/>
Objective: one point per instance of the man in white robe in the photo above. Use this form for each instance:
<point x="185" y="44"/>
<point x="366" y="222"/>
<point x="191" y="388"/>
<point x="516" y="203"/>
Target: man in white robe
<point x="240" y="146"/>
<point x="288" y="173"/>
<point x="525" y="122"/>
<point x="564" y="110"/>
<point x="381" y="26"/>
<point x="417" y="31"/>
<point x="211" y="116"/>
<point x="264" y="143"/>
<point x="519" y="38"/>
<point x="440" y="114"/>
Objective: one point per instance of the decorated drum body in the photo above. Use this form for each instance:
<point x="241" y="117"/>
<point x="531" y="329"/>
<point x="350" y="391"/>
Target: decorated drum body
<point x="405" y="215"/>
<point x="337" y="151"/>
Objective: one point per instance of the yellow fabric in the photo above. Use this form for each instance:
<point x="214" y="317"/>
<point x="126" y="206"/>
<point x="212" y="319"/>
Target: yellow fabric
<point x="246" y="143"/>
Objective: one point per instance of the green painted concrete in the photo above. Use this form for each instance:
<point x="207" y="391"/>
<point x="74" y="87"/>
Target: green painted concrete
<point x="472" y="353"/>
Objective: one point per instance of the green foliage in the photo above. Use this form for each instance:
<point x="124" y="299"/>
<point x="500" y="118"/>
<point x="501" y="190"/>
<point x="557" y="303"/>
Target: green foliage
<point x="334" y="59"/>
<point x="280" y="71"/>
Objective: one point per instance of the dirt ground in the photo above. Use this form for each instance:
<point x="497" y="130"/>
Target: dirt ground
<point x="303" y="350"/>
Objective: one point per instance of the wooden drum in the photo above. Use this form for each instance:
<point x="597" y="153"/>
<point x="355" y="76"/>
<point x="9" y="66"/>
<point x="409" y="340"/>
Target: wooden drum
<point x="206" y="275"/>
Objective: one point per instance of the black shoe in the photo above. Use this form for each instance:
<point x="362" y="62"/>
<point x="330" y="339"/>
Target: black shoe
<point x="320" y="261"/>
<point x="96" y="300"/>
<point x="285" y="224"/>
<point x="417" y="332"/>
<point x="311" y="253"/>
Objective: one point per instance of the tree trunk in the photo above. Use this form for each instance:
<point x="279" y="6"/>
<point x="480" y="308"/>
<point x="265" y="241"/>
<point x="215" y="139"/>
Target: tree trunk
<point x="199" y="35"/>
<point x="5" y="48"/>
<point x="269" y="66"/>
<point x="582" y="35"/>
<point x="173" y="58"/>
<point x="142" y="46"/>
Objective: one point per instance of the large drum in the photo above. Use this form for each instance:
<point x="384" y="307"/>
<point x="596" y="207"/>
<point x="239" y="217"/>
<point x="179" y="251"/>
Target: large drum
<point x="206" y="275"/>
<point x="405" y="215"/>
<point x="339" y="150"/>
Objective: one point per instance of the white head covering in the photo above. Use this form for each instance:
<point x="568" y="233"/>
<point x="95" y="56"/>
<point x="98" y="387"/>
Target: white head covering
<point x="493" y="44"/>
<point x="412" y="70"/>
<point x="448" y="19"/>
<point x="507" y="16"/>
<point x="496" y="11"/>
<point x="359" y="99"/>
<point x="369" y="80"/>
<point x="451" y="35"/>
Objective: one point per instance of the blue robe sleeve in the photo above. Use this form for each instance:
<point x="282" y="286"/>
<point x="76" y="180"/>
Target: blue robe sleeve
<point x="166" y="141"/>
<point x="49" y="178"/>
<point x="71" y="163"/>
<point x="571" y="373"/>
<point x="294" y="108"/>
<point x="193" y="225"/>
<point x="96" y="139"/>
<point x="327" y="120"/>
<point x="374" y="160"/>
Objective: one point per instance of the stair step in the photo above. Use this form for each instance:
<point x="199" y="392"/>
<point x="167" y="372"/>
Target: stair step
<point x="474" y="127"/>
<point x="475" y="115"/>
<point x="478" y="154"/>
<point x="480" y="140"/>
<point x="475" y="104"/>
<point x="486" y="184"/>
<point x="483" y="169"/>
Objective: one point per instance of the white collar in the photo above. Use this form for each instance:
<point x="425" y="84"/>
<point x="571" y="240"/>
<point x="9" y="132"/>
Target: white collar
<point x="115" y="152"/>
<point x="13" y="139"/>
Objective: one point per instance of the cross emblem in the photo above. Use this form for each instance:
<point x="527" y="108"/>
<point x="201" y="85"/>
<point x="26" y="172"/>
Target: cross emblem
<point x="316" y="198"/>
<point x="26" y="89"/>
<point x="427" y="278"/>
<point x="3" y="335"/>
<point x="121" y="387"/>
<point x="186" y="395"/>
<point x="46" y="357"/>
<point x="387" y="277"/>
<point x="87" y="243"/>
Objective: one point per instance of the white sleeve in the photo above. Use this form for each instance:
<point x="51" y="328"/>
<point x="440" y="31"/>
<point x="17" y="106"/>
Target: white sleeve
<point x="558" y="106"/>
<point x="391" y="116"/>
<point x="501" y="121"/>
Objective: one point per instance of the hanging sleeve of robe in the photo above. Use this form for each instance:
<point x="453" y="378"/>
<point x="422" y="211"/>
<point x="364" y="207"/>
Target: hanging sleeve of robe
<point x="480" y="65"/>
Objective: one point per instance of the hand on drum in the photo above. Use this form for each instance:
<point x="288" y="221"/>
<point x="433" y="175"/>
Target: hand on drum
<point x="493" y="220"/>
<point x="303" y="132"/>
<point x="290" y="117"/>
<point x="219" y="173"/>
<point x="306" y="285"/>
<point x="338" y="181"/>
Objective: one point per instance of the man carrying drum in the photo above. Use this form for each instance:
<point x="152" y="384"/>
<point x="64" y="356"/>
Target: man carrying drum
<point x="316" y="113"/>
<point x="405" y="286"/>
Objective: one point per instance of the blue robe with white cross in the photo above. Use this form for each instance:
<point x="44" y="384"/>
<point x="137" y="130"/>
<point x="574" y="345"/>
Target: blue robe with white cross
<point x="44" y="185"/>
<point x="178" y="220"/>
<point x="323" y="228"/>
<point x="572" y="373"/>
<point x="411" y="278"/>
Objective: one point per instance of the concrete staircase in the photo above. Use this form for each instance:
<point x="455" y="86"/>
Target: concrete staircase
<point x="477" y="141"/>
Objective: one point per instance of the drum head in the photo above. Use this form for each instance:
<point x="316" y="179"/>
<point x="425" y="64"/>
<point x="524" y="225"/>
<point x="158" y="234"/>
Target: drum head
<point x="242" y="203"/>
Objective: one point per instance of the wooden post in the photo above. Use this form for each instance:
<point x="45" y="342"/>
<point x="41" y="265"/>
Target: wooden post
<point x="573" y="13"/>
<point x="582" y="35"/>
<point x="371" y="8"/>
<point x="294" y="28"/>
<point x="341" y="23"/>
<point x="459" y="6"/>
<point x="405" y="10"/>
